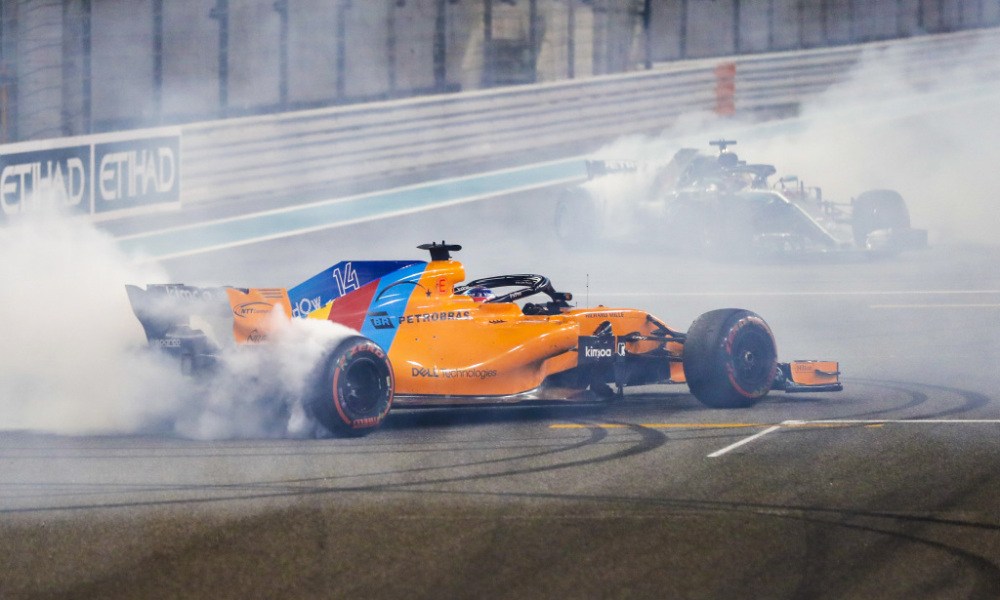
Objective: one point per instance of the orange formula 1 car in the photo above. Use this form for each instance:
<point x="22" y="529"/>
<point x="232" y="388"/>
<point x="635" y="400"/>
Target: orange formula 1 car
<point x="426" y="339"/>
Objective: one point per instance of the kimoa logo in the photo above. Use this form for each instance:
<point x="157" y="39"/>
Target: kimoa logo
<point x="597" y="352"/>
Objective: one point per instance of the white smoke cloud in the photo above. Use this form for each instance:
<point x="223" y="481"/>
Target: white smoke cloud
<point x="62" y="358"/>
<point x="895" y="122"/>
<point x="925" y="131"/>
<point x="73" y="358"/>
<point x="259" y="390"/>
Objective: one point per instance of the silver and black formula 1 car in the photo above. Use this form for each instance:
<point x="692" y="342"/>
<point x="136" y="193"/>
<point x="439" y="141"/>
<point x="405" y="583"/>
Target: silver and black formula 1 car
<point x="719" y="205"/>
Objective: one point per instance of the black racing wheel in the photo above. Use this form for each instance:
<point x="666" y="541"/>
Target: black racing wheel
<point x="354" y="391"/>
<point x="878" y="209"/>
<point x="730" y="358"/>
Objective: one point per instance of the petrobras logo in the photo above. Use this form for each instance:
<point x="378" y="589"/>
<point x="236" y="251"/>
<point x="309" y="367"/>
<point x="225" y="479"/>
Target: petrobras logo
<point x="380" y="320"/>
<point x="451" y="315"/>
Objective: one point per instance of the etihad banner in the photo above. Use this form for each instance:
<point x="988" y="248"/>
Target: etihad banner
<point x="96" y="175"/>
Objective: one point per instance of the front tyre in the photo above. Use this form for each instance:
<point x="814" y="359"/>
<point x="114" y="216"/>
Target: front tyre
<point x="877" y="210"/>
<point x="354" y="391"/>
<point x="730" y="358"/>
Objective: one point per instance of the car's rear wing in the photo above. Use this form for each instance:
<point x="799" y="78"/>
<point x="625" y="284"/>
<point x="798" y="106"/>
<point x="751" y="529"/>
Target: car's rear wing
<point x="193" y="324"/>
<point x="672" y="169"/>
<point x="186" y="322"/>
<point x="171" y="313"/>
<point x="163" y="309"/>
<point x="600" y="168"/>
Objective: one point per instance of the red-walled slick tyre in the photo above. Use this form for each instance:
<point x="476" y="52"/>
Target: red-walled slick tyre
<point x="355" y="389"/>
<point x="730" y="359"/>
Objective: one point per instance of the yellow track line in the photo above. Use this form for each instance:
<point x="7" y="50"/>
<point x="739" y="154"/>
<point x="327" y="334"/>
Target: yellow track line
<point x="693" y="425"/>
<point x="658" y="425"/>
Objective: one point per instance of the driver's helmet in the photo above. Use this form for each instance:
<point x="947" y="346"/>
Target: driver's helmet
<point x="480" y="293"/>
<point x="728" y="160"/>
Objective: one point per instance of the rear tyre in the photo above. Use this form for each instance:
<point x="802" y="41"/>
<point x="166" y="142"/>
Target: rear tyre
<point x="878" y="209"/>
<point x="730" y="359"/>
<point x="354" y="390"/>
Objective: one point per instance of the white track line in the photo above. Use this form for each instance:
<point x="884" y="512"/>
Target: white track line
<point x="893" y="306"/>
<point x="753" y="437"/>
<point x="799" y="293"/>
<point x="894" y="421"/>
<point x="793" y="423"/>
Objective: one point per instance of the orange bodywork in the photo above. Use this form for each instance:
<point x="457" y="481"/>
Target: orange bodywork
<point x="444" y="344"/>
<point x="252" y="312"/>
<point x="485" y="349"/>
<point x="453" y="344"/>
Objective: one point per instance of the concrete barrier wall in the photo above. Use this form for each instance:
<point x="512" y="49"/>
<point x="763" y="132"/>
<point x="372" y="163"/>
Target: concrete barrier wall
<point x="73" y="67"/>
<point x="293" y="153"/>
<point x="286" y="156"/>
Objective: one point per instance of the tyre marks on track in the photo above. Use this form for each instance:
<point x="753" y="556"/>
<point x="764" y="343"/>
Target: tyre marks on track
<point x="915" y="395"/>
<point x="380" y="479"/>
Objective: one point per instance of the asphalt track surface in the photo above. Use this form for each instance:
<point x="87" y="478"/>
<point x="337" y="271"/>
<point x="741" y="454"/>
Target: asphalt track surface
<point x="886" y="490"/>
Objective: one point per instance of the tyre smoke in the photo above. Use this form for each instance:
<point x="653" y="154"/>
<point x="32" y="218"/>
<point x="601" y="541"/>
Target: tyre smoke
<point x="74" y="359"/>
<point x="892" y="123"/>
